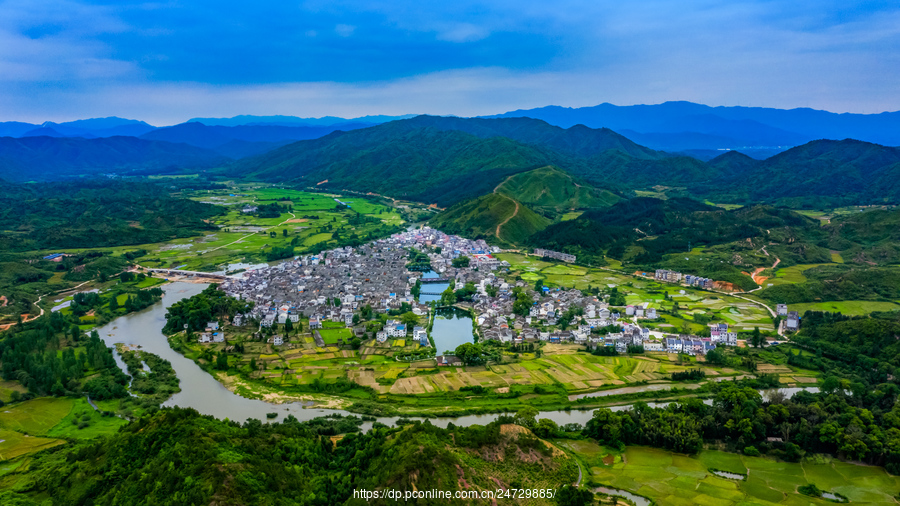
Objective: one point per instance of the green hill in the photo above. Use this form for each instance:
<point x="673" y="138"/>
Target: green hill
<point x="554" y="190"/>
<point x="483" y="217"/>
<point x="426" y="165"/>
<point x="819" y="173"/>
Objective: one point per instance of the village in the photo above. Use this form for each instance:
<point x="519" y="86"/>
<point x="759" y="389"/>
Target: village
<point x="349" y="287"/>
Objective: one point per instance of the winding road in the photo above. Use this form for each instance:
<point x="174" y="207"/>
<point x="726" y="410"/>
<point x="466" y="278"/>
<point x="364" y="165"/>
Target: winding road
<point x="513" y="215"/>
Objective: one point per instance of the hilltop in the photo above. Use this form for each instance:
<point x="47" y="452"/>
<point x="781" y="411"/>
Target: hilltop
<point x="553" y="190"/>
<point x="494" y="217"/>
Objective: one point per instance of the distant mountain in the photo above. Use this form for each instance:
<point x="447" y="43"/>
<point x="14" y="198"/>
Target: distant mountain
<point x="44" y="131"/>
<point x="552" y="190"/>
<point x="49" y="158"/>
<point x="251" y="139"/>
<point x="85" y="128"/>
<point x="15" y="128"/>
<point x="295" y="121"/>
<point x="735" y="162"/>
<point x="745" y="126"/>
<point x="575" y="141"/>
<point x="495" y="217"/>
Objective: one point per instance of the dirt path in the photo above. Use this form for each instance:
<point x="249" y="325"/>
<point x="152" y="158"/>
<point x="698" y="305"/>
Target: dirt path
<point x="497" y="233"/>
<point x="756" y="274"/>
<point x="28" y="317"/>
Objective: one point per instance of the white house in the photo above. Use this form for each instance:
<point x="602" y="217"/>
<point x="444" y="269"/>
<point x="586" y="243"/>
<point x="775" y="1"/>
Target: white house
<point x="419" y="334"/>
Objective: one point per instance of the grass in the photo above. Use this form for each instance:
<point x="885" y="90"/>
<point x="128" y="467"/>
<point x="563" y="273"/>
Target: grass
<point x="331" y="336"/>
<point x="36" y="416"/>
<point x="670" y="478"/>
<point x="83" y="414"/>
<point x="15" y="444"/>
<point x="847" y="307"/>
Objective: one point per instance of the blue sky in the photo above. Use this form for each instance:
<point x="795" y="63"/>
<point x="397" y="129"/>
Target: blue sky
<point x="165" y="62"/>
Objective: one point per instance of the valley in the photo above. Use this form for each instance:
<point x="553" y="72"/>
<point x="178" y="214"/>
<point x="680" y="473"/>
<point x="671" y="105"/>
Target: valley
<point x="557" y="301"/>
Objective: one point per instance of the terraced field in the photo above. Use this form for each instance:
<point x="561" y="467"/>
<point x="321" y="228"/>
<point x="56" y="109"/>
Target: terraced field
<point x="738" y="313"/>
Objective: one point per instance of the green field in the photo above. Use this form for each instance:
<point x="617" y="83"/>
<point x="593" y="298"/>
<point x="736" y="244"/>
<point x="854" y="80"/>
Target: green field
<point x="847" y="307"/>
<point x="246" y="238"/>
<point x="331" y="336"/>
<point x="37" y="424"/>
<point x="15" y="444"/>
<point x="37" y="416"/>
<point x="670" y="478"/>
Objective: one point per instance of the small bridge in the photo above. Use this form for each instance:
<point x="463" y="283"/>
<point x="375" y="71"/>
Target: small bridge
<point x="176" y="272"/>
<point x="434" y="280"/>
<point x="429" y="293"/>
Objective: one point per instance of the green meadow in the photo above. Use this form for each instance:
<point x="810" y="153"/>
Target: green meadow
<point x="675" y="479"/>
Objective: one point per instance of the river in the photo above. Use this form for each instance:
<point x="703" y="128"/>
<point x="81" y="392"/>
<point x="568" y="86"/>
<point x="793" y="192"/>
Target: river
<point x="199" y="390"/>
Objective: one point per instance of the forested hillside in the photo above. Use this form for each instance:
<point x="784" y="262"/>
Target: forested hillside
<point x="177" y="456"/>
<point x="821" y="173"/>
<point x="51" y="158"/>
<point x="93" y="214"/>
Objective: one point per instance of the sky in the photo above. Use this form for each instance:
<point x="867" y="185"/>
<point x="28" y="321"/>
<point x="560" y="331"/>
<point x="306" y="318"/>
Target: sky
<point x="167" y="61"/>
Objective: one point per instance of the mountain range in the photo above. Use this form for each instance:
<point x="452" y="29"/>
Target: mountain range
<point x="677" y="126"/>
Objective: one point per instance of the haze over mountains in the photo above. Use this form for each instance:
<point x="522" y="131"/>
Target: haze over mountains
<point x="676" y="126"/>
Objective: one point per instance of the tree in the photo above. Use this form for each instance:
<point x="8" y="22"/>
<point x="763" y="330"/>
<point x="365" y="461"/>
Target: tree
<point x="525" y="416"/>
<point x="716" y="356"/>
<point x="114" y="304"/>
<point x="756" y="338"/>
<point x="523" y="304"/>
<point x="469" y="353"/>
<point x="567" y="495"/>
<point x="448" y="297"/>
<point x="460" y="261"/>
<point x="409" y="319"/>
<point x="284" y="232"/>
<point x="222" y="362"/>
<point x="288" y="326"/>
<point x="253" y="364"/>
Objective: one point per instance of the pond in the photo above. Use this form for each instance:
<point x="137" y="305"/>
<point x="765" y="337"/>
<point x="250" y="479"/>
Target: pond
<point x="730" y="476"/>
<point x="452" y="327"/>
<point x="634" y="499"/>
<point x="432" y="291"/>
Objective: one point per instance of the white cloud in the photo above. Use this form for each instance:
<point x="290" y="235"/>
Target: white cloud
<point x="463" y="32"/>
<point x="344" y="30"/>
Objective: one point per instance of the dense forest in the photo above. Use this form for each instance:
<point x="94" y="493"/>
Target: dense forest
<point x="838" y="282"/>
<point x="93" y="214"/>
<point x="177" y="456"/>
<point x="51" y="356"/>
